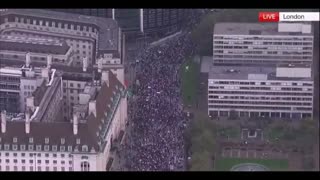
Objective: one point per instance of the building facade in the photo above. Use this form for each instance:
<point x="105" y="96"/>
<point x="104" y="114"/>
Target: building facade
<point x="72" y="36"/>
<point x="86" y="144"/>
<point x="282" y="92"/>
<point x="262" y="43"/>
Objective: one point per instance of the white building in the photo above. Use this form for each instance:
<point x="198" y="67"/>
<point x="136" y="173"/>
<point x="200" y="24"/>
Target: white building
<point x="262" y="43"/>
<point x="283" y="92"/>
<point x="85" y="36"/>
<point x="86" y="144"/>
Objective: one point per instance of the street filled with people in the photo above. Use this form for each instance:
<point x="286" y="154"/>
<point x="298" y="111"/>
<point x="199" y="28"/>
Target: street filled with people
<point x="157" y="121"/>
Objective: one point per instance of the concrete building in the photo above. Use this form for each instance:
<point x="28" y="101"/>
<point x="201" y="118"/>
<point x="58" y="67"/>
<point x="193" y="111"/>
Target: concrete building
<point x="18" y="83"/>
<point x="285" y="91"/>
<point x="72" y="36"/>
<point x="262" y="43"/>
<point x="86" y="144"/>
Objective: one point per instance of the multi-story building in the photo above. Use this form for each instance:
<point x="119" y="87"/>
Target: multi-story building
<point x="15" y="48"/>
<point x="282" y="92"/>
<point x="73" y="36"/>
<point x="17" y="84"/>
<point x="262" y="43"/>
<point x="154" y="21"/>
<point x="86" y="144"/>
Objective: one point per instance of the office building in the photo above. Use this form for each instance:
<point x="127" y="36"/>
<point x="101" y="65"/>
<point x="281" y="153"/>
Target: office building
<point x="262" y="43"/>
<point x="285" y="91"/>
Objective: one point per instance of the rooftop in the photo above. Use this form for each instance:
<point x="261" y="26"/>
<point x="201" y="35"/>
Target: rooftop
<point x="257" y="29"/>
<point x="108" y="28"/>
<point x="87" y="132"/>
<point x="243" y="73"/>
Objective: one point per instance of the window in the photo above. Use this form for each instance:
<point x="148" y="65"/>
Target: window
<point x="84" y="148"/>
<point x="46" y="147"/>
<point x="54" y="161"/>
<point x="62" y="148"/>
<point x="62" y="169"/>
<point x="79" y="85"/>
<point x="85" y="166"/>
<point x="69" y="148"/>
<point x="7" y="161"/>
<point x="62" y="162"/>
<point x="7" y="154"/>
<point x="47" y="168"/>
<point x="39" y="161"/>
<point x="15" y="168"/>
<point x="46" y="140"/>
<point x="23" y="147"/>
<point x="47" y="161"/>
<point x="54" y="148"/>
<point x="30" y="161"/>
<point x="70" y="168"/>
<point x="14" y="147"/>
<point x="39" y="168"/>
<point x="6" y="147"/>
<point x="15" y="161"/>
<point x="46" y="155"/>
<point x="30" y="140"/>
<point x="31" y="168"/>
<point x="54" y="168"/>
<point x="23" y="161"/>
<point x="71" y="91"/>
<point x="78" y="141"/>
<point x="23" y="168"/>
<point x="71" y="84"/>
<point x="15" y="154"/>
<point x="15" y="139"/>
<point x="62" y="140"/>
<point x="54" y="155"/>
<point x="70" y="162"/>
<point x="39" y="154"/>
<point x="38" y="147"/>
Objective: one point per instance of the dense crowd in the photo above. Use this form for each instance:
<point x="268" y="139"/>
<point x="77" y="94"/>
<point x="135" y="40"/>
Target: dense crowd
<point x="157" y="121"/>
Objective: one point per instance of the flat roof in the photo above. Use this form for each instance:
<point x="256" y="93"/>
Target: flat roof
<point x="242" y="72"/>
<point x="253" y="29"/>
<point x="107" y="27"/>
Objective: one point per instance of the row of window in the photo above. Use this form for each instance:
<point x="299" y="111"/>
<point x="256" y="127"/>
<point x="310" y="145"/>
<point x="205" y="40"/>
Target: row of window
<point x="263" y="98"/>
<point x="261" y="102"/>
<point x="7" y="154"/>
<point x="23" y="161"/>
<point x="46" y="147"/>
<point x="251" y="107"/>
<point x="264" y="38"/>
<point x="259" y="83"/>
<point x="261" y="93"/>
<point x="31" y="168"/>
<point x="51" y="23"/>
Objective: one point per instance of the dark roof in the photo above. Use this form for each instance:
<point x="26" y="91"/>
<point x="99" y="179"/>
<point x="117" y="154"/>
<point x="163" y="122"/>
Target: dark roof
<point x="32" y="45"/>
<point x="108" y="28"/>
<point x="39" y="93"/>
<point x="55" y="131"/>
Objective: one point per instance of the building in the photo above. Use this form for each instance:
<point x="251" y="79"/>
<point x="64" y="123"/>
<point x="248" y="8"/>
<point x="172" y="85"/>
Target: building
<point x="86" y="144"/>
<point x="262" y="43"/>
<point x="67" y="37"/>
<point x="285" y="91"/>
<point x="17" y="84"/>
<point x="15" y="48"/>
<point x="155" y="21"/>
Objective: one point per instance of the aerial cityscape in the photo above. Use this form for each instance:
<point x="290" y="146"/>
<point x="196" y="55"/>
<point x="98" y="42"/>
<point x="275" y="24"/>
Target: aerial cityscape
<point x="159" y="90"/>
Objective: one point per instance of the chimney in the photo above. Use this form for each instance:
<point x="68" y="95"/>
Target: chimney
<point x="105" y="77"/>
<point x="3" y="121"/>
<point x="30" y="103"/>
<point x="93" y="108"/>
<point x="85" y="64"/>
<point x="49" y="61"/>
<point x="27" y="121"/>
<point x="45" y="74"/>
<point x="28" y="60"/>
<point x="100" y="65"/>
<point x="75" y="124"/>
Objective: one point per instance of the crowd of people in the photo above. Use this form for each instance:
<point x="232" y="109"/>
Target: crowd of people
<point x="157" y="121"/>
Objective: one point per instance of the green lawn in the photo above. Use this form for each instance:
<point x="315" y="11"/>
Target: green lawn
<point x="225" y="164"/>
<point x="189" y="73"/>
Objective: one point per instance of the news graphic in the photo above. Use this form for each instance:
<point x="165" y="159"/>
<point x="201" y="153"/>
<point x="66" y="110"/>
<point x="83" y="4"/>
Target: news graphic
<point x="288" y="16"/>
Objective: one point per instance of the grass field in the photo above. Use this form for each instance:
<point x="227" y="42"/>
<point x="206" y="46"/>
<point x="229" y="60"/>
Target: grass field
<point x="189" y="74"/>
<point x="225" y="164"/>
